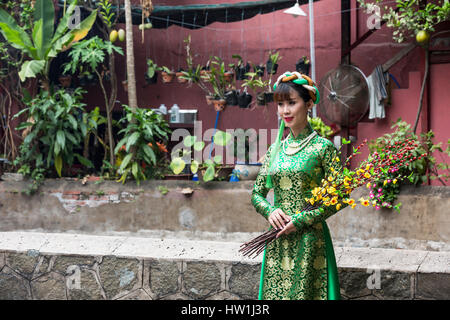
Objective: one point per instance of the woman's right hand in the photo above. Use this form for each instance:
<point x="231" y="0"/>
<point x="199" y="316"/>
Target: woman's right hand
<point x="278" y="219"/>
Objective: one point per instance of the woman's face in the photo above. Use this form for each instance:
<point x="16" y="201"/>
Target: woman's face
<point x="294" y="111"/>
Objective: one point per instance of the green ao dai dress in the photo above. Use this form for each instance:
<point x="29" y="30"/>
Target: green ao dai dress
<point x="301" y="265"/>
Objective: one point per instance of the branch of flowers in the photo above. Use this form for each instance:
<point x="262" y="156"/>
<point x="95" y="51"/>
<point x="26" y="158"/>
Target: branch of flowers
<point x="329" y="193"/>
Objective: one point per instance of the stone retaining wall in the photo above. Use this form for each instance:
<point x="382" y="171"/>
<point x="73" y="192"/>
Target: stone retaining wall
<point x="220" y="207"/>
<point x="63" y="266"/>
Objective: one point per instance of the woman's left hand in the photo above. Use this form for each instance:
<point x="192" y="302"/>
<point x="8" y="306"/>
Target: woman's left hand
<point x="287" y="229"/>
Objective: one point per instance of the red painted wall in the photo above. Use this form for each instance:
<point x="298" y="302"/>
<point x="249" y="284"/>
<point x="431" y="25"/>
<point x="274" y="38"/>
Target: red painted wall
<point x="253" y="39"/>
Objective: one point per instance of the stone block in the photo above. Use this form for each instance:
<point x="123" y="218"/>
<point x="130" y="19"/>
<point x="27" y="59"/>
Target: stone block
<point x="63" y="262"/>
<point x="201" y="279"/>
<point x="23" y="263"/>
<point x="13" y="286"/>
<point x="244" y="280"/>
<point x="163" y="278"/>
<point x="82" y="284"/>
<point x="2" y="260"/>
<point x="49" y="287"/>
<point x="433" y="286"/>
<point x="118" y="276"/>
<point x="353" y="283"/>
<point x="394" y="286"/>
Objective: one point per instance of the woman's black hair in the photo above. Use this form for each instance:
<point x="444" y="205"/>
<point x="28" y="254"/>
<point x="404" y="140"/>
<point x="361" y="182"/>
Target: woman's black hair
<point x="282" y="92"/>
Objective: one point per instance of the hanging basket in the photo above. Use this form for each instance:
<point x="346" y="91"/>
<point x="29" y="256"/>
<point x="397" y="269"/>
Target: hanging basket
<point x="219" y="104"/>
<point x="261" y="99"/>
<point x="151" y="80"/>
<point x="271" y="68"/>
<point x="259" y="70"/>
<point x="264" y="98"/>
<point x="241" y="71"/>
<point x="179" y="74"/>
<point x="244" y="100"/>
<point x="302" y="67"/>
<point x="228" y="76"/>
<point x="231" y="97"/>
<point x="167" y="77"/>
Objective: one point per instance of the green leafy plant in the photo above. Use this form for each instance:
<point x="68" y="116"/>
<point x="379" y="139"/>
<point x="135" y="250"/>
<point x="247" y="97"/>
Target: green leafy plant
<point x="92" y="120"/>
<point x="44" y="42"/>
<point x="216" y="78"/>
<point x="272" y="63"/>
<point x="239" y="62"/>
<point x="254" y="81"/>
<point x="55" y="135"/>
<point x="107" y="13"/>
<point x="209" y="166"/>
<point x="143" y="127"/>
<point x="90" y="53"/>
<point x="193" y="74"/>
<point x="86" y="57"/>
<point x="409" y="17"/>
<point x="152" y="68"/>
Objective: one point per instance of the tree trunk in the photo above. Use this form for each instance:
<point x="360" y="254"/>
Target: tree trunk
<point x="110" y="107"/>
<point x="132" y="96"/>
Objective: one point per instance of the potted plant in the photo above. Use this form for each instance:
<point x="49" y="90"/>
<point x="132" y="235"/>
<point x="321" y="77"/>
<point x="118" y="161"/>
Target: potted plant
<point x="231" y="97"/>
<point x="167" y="74"/>
<point x="303" y="65"/>
<point x="218" y="83"/>
<point x="228" y="75"/>
<point x="180" y="76"/>
<point x="205" y="69"/>
<point x="255" y="82"/>
<point x="219" y="103"/>
<point x="197" y="74"/>
<point x="239" y="68"/>
<point x="151" y="75"/>
<point x="259" y="69"/>
<point x="244" y="99"/>
<point x="272" y="62"/>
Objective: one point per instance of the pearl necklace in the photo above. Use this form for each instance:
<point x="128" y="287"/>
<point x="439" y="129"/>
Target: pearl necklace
<point x="294" y="147"/>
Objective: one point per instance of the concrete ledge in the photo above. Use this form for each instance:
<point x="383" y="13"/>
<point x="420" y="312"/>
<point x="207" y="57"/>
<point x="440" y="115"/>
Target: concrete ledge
<point x="102" y="208"/>
<point x="74" y="266"/>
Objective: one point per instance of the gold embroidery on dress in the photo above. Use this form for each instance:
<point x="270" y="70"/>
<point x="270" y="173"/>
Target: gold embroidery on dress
<point x="295" y="265"/>
<point x="285" y="183"/>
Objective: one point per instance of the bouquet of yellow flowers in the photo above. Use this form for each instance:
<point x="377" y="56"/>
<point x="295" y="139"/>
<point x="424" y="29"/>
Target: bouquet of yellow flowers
<point x="336" y="188"/>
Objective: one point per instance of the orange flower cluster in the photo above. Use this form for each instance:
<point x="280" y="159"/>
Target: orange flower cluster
<point x="336" y="188"/>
